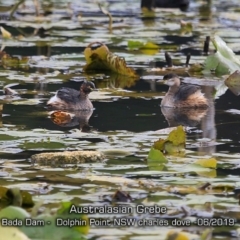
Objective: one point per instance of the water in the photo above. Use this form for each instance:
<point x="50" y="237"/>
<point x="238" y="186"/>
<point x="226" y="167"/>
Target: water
<point x="127" y="115"/>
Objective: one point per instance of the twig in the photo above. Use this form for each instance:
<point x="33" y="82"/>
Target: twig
<point x="108" y="14"/>
<point x="168" y="59"/>
<point x="36" y="4"/>
<point x="15" y="7"/>
<point x="206" y="45"/>
<point x="188" y="59"/>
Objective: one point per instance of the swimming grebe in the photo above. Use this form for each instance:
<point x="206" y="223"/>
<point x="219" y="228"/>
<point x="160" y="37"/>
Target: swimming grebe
<point x="182" y="96"/>
<point x="68" y="98"/>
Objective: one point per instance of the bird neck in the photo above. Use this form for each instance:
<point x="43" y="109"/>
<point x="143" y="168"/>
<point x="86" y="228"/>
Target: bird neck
<point x="173" y="90"/>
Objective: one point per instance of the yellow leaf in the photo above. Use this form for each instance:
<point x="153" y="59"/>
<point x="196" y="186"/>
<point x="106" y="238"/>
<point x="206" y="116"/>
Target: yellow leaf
<point x="159" y="144"/>
<point x="98" y="57"/>
<point x="177" y="136"/>
<point x="206" y="234"/>
<point x="12" y="233"/>
<point x="85" y="228"/>
<point x="233" y="82"/>
<point x="207" y="163"/>
<point x="150" y="45"/>
<point x="5" y="33"/>
<point x="186" y="27"/>
<point x="209" y="174"/>
<point x="174" y="235"/>
<point x="149" y="51"/>
<point x="183" y="190"/>
<point x="95" y="50"/>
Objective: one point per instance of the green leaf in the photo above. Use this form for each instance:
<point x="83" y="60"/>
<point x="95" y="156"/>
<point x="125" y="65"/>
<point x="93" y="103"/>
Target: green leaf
<point x="225" y="51"/>
<point x="157" y="156"/>
<point x="13" y="212"/>
<point x="224" y="60"/>
<point x="135" y="44"/>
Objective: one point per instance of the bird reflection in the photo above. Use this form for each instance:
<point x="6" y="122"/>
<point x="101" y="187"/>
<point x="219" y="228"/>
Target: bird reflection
<point x="193" y="117"/>
<point x="183" y="116"/>
<point x="72" y="119"/>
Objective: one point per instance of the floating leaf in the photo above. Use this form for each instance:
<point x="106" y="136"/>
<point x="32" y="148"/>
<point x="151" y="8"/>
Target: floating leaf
<point x="177" y="136"/>
<point x="175" y="143"/>
<point x="207" y="163"/>
<point x="13" y="212"/>
<point x="42" y="145"/>
<point x="135" y="44"/>
<point x="233" y="82"/>
<point x="159" y="144"/>
<point x="206" y="234"/>
<point x="15" y="196"/>
<point x="142" y="45"/>
<point x="98" y="57"/>
<point x="49" y="229"/>
<point x="225" y="51"/>
<point x="61" y="117"/>
<point x="48" y="223"/>
<point x="64" y="213"/>
<point x="175" y="235"/>
<point x="186" y="27"/>
<point x="10" y="61"/>
<point x="208" y="174"/>
<point x="5" y="33"/>
<point x="224" y="60"/>
<point x="156" y="156"/>
<point x="146" y="48"/>
<point x="171" y="148"/>
<point x="150" y="45"/>
<point x="12" y="233"/>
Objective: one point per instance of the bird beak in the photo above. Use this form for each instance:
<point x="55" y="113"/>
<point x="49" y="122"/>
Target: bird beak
<point x="93" y="89"/>
<point x="161" y="81"/>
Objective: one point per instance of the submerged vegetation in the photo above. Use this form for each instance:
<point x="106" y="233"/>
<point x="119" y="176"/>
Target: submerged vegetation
<point x="128" y="169"/>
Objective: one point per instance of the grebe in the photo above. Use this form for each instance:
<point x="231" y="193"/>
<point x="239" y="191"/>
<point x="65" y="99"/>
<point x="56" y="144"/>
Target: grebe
<point x="182" y="96"/>
<point x="68" y="98"/>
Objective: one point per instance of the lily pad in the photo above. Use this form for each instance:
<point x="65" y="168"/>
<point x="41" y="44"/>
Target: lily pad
<point x="177" y="136"/>
<point x="233" y="82"/>
<point x="156" y="156"/>
<point x="207" y="163"/>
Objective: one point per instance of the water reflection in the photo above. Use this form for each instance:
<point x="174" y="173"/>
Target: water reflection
<point x="193" y="117"/>
<point x="114" y="81"/>
<point x="185" y="117"/>
<point x="208" y="122"/>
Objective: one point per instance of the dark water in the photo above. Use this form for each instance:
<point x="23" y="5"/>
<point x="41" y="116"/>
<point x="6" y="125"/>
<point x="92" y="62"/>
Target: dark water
<point x="131" y="114"/>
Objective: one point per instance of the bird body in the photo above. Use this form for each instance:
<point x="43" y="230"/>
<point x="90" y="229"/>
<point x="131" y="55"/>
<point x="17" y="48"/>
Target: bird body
<point x="183" y="96"/>
<point x="68" y="98"/>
